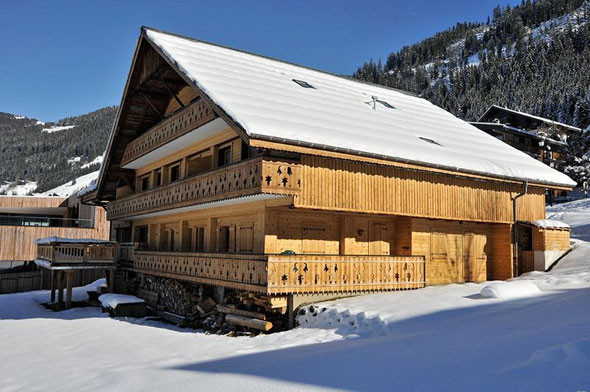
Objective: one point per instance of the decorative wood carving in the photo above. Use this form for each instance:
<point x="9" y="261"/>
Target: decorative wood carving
<point x="191" y="117"/>
<point x="241" y="179"/>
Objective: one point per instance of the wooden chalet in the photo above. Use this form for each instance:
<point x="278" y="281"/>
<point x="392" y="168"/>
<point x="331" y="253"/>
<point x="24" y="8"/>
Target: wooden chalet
<point x="244" y="172"/>
<point x="541" y="138"/>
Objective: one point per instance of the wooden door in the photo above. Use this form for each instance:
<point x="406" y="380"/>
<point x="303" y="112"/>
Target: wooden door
<point x="446" y="262"/>
<point x="474" y="257"/>
<point x="379" y="239"/>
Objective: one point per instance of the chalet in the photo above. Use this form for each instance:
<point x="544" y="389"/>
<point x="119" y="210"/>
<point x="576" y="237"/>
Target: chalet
<point x="251" y="174"/>
<point x="541" y="138"/>
<point x="24" y="219"/>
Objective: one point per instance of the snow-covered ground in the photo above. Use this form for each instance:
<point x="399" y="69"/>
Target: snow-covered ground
<point x="443" y="338"/>
<point x="576" y="214"/>
<point x="71" y="187"/>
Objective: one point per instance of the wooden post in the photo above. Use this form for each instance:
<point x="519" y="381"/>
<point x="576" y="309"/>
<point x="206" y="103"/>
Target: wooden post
<point x="69" y="277"/>
<point x="111" y="285"/>
<point x="290" y="311"/>
<point x="60" y="290"/>
<point x="52" y="286"/>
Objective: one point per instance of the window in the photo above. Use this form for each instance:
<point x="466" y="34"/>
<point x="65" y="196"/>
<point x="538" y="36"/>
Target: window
<point x="145" y="183"/>
<point x="158" y="178"/>
<point x="303" y="83"/>
<point x="198" y="163"/>
<point x="199" y="239"/>
<point x="141" y="234"/>
<point x="224" y="156"/>
<point x="174" y="172"/>
<point x="430" y="141"/>
<point x="224" y="239"/>
<point x="386" y="104"/>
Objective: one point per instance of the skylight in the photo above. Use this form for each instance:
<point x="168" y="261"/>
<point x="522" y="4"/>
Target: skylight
<point x="303" y="83"/>
<point x="430" y="141"/>
<point x="386" y="104"/>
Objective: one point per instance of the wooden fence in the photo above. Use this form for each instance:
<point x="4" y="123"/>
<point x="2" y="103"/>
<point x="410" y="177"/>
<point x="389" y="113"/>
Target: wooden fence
<point x="19" y="282"/>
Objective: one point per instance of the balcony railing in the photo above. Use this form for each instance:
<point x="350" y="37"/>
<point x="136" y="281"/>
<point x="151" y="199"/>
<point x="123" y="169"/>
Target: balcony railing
<point x="67" y="254"/>
<point x="193" y="116"/>
<point x="245" y="178"/>
<point x="283" y="274"/>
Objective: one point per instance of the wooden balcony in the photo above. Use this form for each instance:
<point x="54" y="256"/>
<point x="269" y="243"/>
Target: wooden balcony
<point x="193" y="116"/>
<point x="284" y="274"/>
<point x="250" y="177"/>
<point x="71" y="254"/>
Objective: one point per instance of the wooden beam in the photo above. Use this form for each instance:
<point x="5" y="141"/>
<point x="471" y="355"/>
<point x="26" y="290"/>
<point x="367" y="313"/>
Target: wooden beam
<point x="69" y="278"/>
<point x="60" y="290"/>
<point x="261" y="325"/>
<point x="153" y="107"/>
<point x="173" y="95"/>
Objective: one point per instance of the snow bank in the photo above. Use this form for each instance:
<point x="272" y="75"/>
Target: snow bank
<point x="113" y="300"/>
<point x="511" y="289"/>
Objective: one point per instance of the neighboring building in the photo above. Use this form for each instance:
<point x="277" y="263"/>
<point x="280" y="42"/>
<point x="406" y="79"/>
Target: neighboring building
<point x="541" y="138"/>
<point x="248" y="173"/>
<point x="23" y="219"/>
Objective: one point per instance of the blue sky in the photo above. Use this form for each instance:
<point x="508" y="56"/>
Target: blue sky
<point x="63" y="58"/>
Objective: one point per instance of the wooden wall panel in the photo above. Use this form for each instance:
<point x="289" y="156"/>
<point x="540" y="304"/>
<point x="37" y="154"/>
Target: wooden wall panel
<point x="556" y="239"/>
<point x="336" y="184"/>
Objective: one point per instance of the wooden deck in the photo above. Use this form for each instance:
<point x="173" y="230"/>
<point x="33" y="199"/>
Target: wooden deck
<point x="285" y="274"/>
<point x="250" y="177"/>
<point x="77" y="254"/>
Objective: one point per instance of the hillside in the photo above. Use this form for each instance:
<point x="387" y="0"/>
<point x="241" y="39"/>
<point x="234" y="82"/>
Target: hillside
<point x="533" y="58"/>
<point x="39" y="156"/>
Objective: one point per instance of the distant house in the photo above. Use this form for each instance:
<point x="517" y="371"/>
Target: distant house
<point x="541" y="138"/>
<point x="23" y="219"/>
<point x="253" y="175"/>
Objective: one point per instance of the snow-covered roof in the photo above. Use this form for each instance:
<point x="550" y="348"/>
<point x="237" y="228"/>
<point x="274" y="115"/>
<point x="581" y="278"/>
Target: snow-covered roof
<point x="547" y="224"/>
<point x="286" y="103"/>
<point x="61" y="240"/>
<point x="113" y="300"/>
<point x="531" y="116"/>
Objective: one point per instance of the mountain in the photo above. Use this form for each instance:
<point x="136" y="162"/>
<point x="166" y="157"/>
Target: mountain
<point x="532" y="58"/>
<point x="39" y="156"/>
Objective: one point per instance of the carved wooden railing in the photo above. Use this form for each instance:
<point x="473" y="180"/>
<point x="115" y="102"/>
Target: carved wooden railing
<point x="321" y="273"/>
<point x="193" y="116"/>
<point x="238" y="271"/>
<point x="281" y="274"/>
<point x="77" y="253"/>
<point x="241" y="179"/>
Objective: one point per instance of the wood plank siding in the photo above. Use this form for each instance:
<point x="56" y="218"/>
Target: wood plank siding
<point x="336" y="184"/>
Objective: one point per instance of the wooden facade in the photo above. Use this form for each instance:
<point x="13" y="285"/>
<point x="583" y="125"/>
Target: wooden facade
<point x="203" y="202"/>
<point x="42" y="217"/>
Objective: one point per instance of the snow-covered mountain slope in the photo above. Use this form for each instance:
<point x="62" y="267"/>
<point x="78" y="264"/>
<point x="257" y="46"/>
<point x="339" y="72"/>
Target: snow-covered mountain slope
<point x="17" y="188"/>
<point x="51" y="154"/>
<point x="73" y="186"/>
